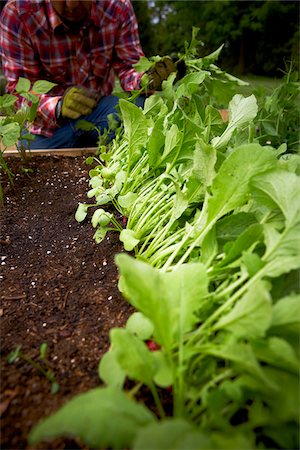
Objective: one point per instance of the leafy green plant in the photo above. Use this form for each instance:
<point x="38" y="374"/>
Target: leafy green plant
<point x="278" y="119"/>
<point x="16" y="117"/>
<point x="213" y="218"/>
<point x="43" y="368"/>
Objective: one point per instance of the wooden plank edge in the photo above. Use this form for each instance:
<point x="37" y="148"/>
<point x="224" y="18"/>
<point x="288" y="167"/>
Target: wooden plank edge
<point x="53" y="152"/>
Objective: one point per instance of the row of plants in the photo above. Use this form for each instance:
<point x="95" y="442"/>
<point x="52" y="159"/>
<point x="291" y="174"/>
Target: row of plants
<point x="210" y="212"/>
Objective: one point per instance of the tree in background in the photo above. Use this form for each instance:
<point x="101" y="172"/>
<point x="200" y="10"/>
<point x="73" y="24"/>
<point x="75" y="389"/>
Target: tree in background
<point x="259" y="36"/>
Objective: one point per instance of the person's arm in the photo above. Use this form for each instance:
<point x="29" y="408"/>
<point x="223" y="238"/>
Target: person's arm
<point x="127" y="49"/>
<point x="19" y="60"/>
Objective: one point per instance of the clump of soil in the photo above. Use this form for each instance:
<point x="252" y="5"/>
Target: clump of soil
<point x="58" y="287"/>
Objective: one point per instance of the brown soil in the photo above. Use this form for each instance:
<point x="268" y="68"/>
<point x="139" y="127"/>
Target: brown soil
<point x="58" y="287"/>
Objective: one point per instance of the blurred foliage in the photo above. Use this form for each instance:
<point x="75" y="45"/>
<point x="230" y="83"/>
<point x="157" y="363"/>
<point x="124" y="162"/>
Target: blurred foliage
<point x="259" y="36"/>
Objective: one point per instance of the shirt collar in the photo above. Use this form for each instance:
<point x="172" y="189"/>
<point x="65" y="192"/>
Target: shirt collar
<point x="54" y="19"/>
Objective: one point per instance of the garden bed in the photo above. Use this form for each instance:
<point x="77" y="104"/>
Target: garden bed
<point x="58" y="287"/>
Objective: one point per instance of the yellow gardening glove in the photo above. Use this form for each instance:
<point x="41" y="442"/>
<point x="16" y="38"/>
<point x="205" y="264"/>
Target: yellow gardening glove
<point x="160" y="72"/>
<point x="78" y="101"/>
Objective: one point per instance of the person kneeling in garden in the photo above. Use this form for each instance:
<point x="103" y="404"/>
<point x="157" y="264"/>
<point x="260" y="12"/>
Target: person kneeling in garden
<point x="80" y="45"/>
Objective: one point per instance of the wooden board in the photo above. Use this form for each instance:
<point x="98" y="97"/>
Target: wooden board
<point x="53" y="151"/>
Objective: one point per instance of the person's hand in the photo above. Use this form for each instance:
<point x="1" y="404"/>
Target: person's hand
<point x="160" y="72"/>
<point x="77" y="101"/>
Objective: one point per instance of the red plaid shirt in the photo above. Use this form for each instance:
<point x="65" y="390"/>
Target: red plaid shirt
<point x="35" y="44"/>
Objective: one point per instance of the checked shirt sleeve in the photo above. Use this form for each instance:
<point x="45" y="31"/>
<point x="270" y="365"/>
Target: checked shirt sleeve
<point x="127" y="49"/>
<point x="19" y="60"/>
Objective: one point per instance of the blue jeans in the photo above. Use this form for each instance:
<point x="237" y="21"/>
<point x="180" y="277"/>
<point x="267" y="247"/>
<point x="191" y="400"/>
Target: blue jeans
<point x="67" y="136"/>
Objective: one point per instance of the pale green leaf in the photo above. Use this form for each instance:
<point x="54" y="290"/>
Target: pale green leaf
<point x="140" y="325"/>
<point x="251" y="315"/>
<point x="92" y="417"/>
<point x="101" y="218"/>
<point x="135" y="127"/>
<point x="81" y="212"/>
<point x="127" y="200"/>
<point x="277" y="352"/>
<point x="230" y="187"/>
<point x="23" y="85"/>
<point x="286" y="314"/>
<point x="164" y="373"/>
<point x="10" y="133"/>
<point x="143" y="64"/>
<point x="110" y="371"/>
<point x="172" y="434"/>
<point x="100" y="234"/>
<point x="169" y="300"/>
<point x="129" y="239"/>
<point x="42" y="86"/>
<point x="242" y="110"/>
<point x="283" y="188"/>
<point x="132" y="354"/>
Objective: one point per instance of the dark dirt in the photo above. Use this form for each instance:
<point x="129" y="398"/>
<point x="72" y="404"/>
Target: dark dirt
<point x="57" y="286"/>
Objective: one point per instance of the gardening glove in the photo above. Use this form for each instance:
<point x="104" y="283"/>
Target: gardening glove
<point x="160" y="72"/>
<point x="163" y="69"/>
<point x="77" y="101"/>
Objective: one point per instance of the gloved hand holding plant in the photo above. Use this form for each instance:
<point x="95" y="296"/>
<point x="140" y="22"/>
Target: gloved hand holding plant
<point x="161" y="71"/>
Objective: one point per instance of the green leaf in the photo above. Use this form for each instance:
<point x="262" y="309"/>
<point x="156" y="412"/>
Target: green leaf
<point x="127" y="200"/>
<point x="135" y="128"/>
<point x="101" y="218"/>
<point x="253" y="263"/>
<point x="85" y="125"/>
<point x="169" y="300"/>
<point x="171" y="434"/>
<point x="81" y="212"/>
<point x="246" y="239"/>
<point x="10" y="133"/>
<point x="241" y="111"/>
<point x="133" y="356"/>
<point x="42" y="86"/>
<point x="7" y="100"/>
<point x="92" y="417"/>
<point x="190" y="83"/>
<point x="230" y="187"/>
<point x="164" y="373"/>
<point x="43" y="350"/>
<point x="140" y="326"/>
<point x="283" y="189"/>
<point x="55" y="387"/>
<point x="251" y="315"/>
<point x="172" y="141"/>
<point x="242" y="356"/>
<point x="110" y="371"/>
<point x="100" y="234"/>
<point x="11" y="358"/>
<point x="143" y="64"/>
<point x="285" y="400"/>
<point x="278" y="353"/>
<point x="23" y="85"/>
<point x="286" y="314"/>
<point x="129" y="239"/>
